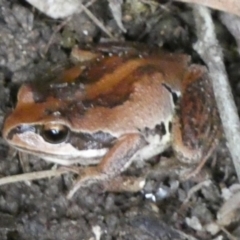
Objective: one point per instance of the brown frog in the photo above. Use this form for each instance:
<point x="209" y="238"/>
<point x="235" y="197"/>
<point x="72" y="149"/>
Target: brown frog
<point x="117" y="104"/>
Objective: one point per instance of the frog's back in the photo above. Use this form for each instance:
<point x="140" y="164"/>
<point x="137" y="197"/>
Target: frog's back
<point x="117" y="90"/>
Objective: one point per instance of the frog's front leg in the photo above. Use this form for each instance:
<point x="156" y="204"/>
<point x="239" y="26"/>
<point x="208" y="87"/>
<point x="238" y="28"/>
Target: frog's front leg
<point x="118" y="158"/>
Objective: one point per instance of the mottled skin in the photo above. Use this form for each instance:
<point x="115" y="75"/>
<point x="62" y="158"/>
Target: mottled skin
<point x="197" y="128"/>
<point x="120" y="103"/>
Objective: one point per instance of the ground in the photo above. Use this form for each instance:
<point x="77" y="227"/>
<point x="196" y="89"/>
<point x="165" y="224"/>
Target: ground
<point x="40" y="210"/>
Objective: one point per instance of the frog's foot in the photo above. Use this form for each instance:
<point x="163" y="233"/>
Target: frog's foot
<point x="201" y="164"/>
<point x="91" y="175"/>
<point x="87" y="177"/>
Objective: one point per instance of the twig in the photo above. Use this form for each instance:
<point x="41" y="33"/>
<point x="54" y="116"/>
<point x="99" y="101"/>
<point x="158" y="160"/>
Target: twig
<point x="196" y="188"/>
<point x="229" y="235"/>
<point x="231" y="6"/>
<point x="33" y="176"/>
<point x="210" y="51"/>
<point x="97" y="21"/>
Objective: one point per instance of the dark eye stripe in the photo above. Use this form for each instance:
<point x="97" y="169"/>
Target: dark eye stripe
<point x="97" y="140"/>
<point x="79" y="140"/>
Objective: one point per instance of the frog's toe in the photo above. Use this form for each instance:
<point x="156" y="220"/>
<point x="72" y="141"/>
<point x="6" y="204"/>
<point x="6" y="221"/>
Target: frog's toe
<point x="125" y="184"/>
<point x="88" y="176"/>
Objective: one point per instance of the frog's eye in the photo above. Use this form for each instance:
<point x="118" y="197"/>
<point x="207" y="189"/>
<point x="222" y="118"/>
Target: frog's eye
<point x="54" y="133"/>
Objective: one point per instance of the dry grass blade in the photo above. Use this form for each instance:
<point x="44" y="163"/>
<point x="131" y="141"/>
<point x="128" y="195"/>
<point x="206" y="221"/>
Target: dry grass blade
<point x="116" y="9"/>
<point x="32" y="176"/>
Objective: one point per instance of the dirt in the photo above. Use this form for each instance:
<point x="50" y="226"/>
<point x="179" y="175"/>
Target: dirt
<point x="39" y="209"/>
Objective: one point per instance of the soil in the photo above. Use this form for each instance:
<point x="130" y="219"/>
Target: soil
<point x="39" y="209"/>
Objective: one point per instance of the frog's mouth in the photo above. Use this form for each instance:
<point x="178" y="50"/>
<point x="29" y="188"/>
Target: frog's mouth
<point x="65" y="159"/>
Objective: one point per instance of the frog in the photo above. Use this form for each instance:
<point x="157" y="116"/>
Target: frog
<point x="114" y="105"/>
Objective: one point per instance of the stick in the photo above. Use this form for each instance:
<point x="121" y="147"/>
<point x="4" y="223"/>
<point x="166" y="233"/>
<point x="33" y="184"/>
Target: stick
<point x="208" y="48"/>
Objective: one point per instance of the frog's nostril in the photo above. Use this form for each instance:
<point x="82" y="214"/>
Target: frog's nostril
<point x="25" y="128"/>
<point x="18" y="130"/>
